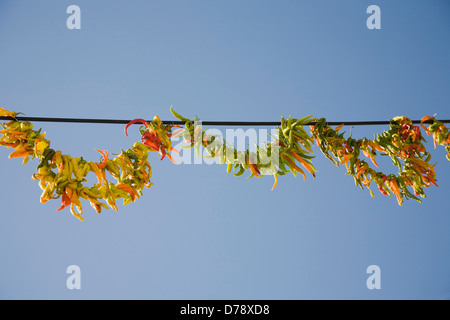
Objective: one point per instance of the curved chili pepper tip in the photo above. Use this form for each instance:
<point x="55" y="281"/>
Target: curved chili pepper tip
<point x="136" y="121"/>
<point x="380" y="187"/>
<point x="171" y="159"/>
<point x="276" y="181"/>
<point x="163" y="153"/>
<point x="65" y="201"/>
<point x="105" y="155"/>
<point x="175" y="150"/>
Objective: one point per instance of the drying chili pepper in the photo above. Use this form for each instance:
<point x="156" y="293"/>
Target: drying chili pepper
<point x="144" y="122"/>
<point x="293" y="144"/>
<point x="156" y="136"/>
<point x="440" y="133"/>
<point x="104" y="153"/>
<point x="131" y="169"/>
<point x="402" y="142"/>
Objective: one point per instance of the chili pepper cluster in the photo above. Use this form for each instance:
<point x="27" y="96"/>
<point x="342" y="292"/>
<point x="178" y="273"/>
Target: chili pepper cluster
<point x="290" y="150"/>
<point x="63" y="176"/>
<point x="440" y="133"/>
<point x="403" y="143"/>
<point x="156" y="136"/>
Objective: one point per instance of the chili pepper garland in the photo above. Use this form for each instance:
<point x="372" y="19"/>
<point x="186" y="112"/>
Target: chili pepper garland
<point x="440" y="133"/>
<point x="292" y="145"/>
<point x="291" y="151"/>
<point x="130" y="168"/>
<point x="402" y="143"/>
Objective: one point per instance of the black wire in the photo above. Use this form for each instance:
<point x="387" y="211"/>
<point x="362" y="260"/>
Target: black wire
<point x="204" y="123"/>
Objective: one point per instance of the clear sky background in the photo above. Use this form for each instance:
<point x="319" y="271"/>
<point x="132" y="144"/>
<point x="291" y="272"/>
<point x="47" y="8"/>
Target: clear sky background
<point x="200" y="233"/>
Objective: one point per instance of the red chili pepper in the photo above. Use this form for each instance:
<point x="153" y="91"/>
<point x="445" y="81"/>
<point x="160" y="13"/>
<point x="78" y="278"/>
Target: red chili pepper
<point x="164" y="154"/>
<point x="432" y="181"/>
<point x="348" y="147"/>
<point x="150" y="136"/>
<point x="279" y="143"/>
<point x="380" y="187"/>
<point x="136" y="121"/>
<point x="417" y="131"/>
<point x="152" y="145"/>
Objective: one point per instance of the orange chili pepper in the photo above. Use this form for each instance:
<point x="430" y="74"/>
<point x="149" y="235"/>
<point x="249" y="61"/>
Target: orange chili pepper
<point x="65" y="201"/>
<point x="105" y="155"/>
<point x="303" y="162"/>
<point x="276" y="181"/>
<point x="23" y="152"/>
<point x="294" y="166"/>
<point x="370" y="156"/>
<point x="394" y="188"/>
<point x="361" y="170"/>
<point x="128" y="189"/>
<point x="17" y="134"/>
<point x="9" y="144"/>
<point x="307" y="147"/>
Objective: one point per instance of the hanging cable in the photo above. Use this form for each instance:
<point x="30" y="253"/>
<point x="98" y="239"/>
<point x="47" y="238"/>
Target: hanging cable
<point x="206" y="123"/>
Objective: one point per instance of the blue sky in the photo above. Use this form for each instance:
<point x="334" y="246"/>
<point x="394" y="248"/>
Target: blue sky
<point x="200" y="233"/>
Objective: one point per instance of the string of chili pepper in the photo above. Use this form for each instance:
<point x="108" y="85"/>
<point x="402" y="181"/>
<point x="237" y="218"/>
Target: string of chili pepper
<point x="402" y="142"/>
<point x="290" y="150"/>
<point x="440" y="133"/>
<point x="130" y="169"/>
